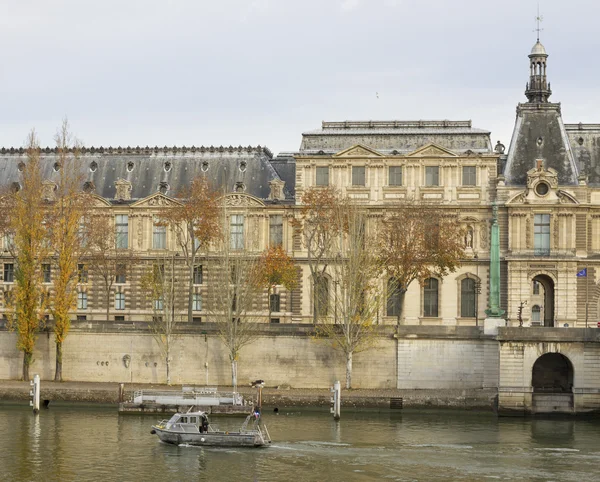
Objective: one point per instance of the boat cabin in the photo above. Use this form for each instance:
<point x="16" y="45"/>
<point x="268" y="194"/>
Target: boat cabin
<point x="188" y="422"/>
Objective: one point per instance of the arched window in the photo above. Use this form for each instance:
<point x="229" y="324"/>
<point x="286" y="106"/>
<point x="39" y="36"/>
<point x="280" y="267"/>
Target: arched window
<point x="467" y="298"/>
<point x="321" y="296"/>
<point x="393" y="301"/>
<point x="430" y="298"/>
<point x="536" y="313"/>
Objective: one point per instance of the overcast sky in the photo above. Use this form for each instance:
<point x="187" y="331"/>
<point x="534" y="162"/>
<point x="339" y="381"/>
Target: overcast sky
<point x="221" y="72"/>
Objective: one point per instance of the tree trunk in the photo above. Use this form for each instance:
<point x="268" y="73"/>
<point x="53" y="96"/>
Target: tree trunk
<point x="168" y="364"/>
<point x="234" y="374"/>
<point x="349" y="370"/>
<point x="191" y="292"/>
<point x="269" y="303"/>
<point x="400" y="305"/>
<point x="107" y="300"/>
<point x="59" y="355"/>
<point x="27" y="357"/>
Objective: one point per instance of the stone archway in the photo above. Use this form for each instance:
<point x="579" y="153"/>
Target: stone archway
<point x="546" y="301"/>
<point x="552" y="383"/>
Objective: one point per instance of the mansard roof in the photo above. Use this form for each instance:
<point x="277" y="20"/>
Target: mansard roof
<point x="396" y="137"/>
<point x="585" y="144"/>
<point x="151" y="170"/>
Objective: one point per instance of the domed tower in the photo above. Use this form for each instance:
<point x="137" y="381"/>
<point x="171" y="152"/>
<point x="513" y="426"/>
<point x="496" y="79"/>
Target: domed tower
<point x="538" y="89"/>
<point x="539" y="132"/>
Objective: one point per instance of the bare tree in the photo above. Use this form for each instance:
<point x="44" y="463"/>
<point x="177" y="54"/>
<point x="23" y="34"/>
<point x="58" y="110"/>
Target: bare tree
<point x="233" y="287"/>
<point x="276" y="268"/>
<point x="354" y="301"/>
<point x="24" y="221"/>
<point x="106" y="259"/>
<point x="195" y="222"/>
<point x="319" y="229"/>
<point x="418" y="240"/>
<point x="159" y="283"/>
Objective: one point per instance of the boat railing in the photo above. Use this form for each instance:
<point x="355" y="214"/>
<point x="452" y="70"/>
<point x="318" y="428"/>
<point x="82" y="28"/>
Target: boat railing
<point x="188" y="396"/>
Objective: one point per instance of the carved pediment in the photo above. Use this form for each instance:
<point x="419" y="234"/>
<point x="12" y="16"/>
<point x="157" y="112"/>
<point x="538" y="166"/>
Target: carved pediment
<point x="432" y="150"/>
<point x="99" y="201"/>
<point x="358" y="151"/>
<point x="157" y="199"/>
<point x="242" y="200"/>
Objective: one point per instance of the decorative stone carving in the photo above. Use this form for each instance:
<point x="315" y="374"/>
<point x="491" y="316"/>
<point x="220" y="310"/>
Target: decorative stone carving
<point x="49" y="190"/>
<point x="159" y="200"/>
<point x="528" y="232"/>
<point x="241" y="200"/>
<point x="123" y="190"/>
<point x="484" y="235"/>
<point x="276" y="189"/>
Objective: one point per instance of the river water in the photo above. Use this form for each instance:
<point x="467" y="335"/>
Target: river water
<point x="80" y="443"/>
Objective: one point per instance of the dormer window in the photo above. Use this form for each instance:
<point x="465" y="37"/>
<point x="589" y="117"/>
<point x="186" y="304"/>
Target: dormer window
<point x="130" y="166"/>
<point x="243" y="166"/>
<point x="542" y="188"/>
<point x="168" y="166"/>
<point x="93" y="166"/>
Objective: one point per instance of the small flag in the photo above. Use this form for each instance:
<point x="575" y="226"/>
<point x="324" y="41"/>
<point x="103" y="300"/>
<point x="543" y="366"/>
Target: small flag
<point x="582" y="273"/>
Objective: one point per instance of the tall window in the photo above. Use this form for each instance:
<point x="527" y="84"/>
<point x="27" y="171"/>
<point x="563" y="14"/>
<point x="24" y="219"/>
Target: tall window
<point x="119" y="301"/>
<point x="536" y="313"/>
<point x="469" y="176"/>
<point x="82" y="300"/>
<point x="358" y="175"/>
<point x="430" y="298"/>
<point x="159" y="304"/>
<point x="432" y="175"/>
<point x="237" y="231"/>
<point x="467" y="298"/>
<point x="159" y="235"/>
<point x="275" y="302"/>
<point x="276" y="230"/>
<point x="122" y="231"/>
<point x="541" y="238"/>
<point x="321" y="296"/>
<point x="46" y="273"/>
<point x="121" y="274"/>
<point x="322" y="176"/>
<point x="393" y="301"/>
<point x="198" y="274"/>
<point x="197" y="302"/>
<point x="536" y="287"/>
<point x="395" y="174"/>
<point x="9" y="241"/>
<point x="9" y="272"/>
<point x="82" y="273"/>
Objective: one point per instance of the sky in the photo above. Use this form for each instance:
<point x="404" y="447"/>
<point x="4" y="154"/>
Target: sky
<point x="261" y="72"/>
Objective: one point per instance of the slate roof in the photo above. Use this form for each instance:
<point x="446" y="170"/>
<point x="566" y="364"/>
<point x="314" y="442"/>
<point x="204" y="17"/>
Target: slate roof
<point x="399" y="136"/>
<point x="149" y="169"/>
<point x="585" y="144"/>
<point x="285" y="166"/>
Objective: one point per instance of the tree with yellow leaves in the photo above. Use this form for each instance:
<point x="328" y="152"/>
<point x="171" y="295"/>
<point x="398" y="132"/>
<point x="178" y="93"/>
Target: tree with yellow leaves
<point x="24" y="221"/>
<point x="67" y="211"/>
<point x="276" y="268"/>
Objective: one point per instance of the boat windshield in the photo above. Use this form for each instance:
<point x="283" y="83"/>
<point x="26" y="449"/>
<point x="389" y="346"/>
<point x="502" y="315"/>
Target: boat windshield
<point x="174" y="418"/>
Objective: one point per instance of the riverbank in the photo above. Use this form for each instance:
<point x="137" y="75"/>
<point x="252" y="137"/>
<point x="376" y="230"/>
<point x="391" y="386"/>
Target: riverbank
<point x="108" y="393"/>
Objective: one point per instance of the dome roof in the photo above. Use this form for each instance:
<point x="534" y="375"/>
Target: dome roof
<point x="538" y="49"/>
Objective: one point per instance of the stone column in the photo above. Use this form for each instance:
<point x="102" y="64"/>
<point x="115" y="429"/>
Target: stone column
<point x="494" y="313"/>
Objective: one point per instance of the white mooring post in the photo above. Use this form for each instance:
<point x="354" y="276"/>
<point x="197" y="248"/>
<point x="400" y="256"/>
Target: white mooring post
<point x="336" y="401"/>
<point x="35" y="393"/>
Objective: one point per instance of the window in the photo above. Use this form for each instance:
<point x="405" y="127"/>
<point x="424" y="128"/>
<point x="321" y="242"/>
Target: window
<point x="9" y="241"/>
<point x="469" y="176"/>
<point x="276" y="230"/>
<point x="237" y="231"/>
<point x="46" y="273"/>
<point x="321" y="296"/>
<point x="119" y="318"/>
<point x="121" y="274"/>
<point x="197" y="275"/>
<point x="467" y="298"/>
<point x="536" y="313"/>
<point x="82" y="273"/>
<point x="82" y="300"/>
<point x="541" y="238"/>
<point x="395" y="174"/>
<point x="9" y="272"/>
<point x="119" y="301"/>
<point x="159" y="304"/>
<point x="122" y="231"/>
<point x="322" y="176"/>
<point x="275" y="302"/>
<point x="432" y="175"/>
<point x="393" y="301"/>
<point x="430" y="298"/>
<point x="358" y="175"/>
<point x="81" y="317"/>
<point x="159" y="235"/>
<point x="536" y="287"/>
<point x="275" y="320"/>
<point x="197" y="302"/>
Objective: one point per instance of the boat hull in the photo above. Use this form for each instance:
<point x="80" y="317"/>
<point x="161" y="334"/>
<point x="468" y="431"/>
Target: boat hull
<point x="210" y="439"/>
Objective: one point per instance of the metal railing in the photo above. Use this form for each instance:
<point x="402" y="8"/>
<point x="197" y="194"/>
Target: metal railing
<point x="188" y="396"/>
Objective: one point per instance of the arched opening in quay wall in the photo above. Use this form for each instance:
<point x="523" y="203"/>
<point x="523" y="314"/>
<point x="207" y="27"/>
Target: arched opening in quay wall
<point x="552" y="383"/>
